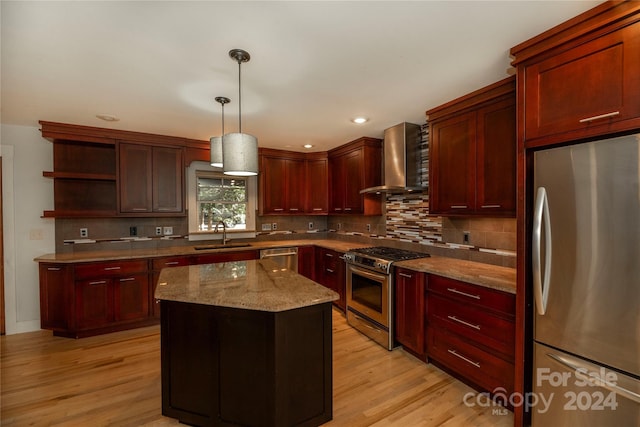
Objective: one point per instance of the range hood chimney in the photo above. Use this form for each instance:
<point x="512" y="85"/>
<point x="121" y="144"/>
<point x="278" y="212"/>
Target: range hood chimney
<point x="401" y="160"/>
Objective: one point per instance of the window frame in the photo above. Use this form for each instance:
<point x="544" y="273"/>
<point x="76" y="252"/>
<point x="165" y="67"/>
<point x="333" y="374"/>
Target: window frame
<point x="192" y="181"/>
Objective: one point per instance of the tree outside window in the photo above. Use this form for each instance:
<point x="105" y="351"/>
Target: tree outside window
<point x="221" y="198"/>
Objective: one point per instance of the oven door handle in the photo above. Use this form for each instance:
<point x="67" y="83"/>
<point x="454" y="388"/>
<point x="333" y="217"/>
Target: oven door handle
<point x="367" y="273"/>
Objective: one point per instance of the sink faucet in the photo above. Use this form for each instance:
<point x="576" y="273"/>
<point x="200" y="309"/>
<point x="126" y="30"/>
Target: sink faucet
<point x="224" y="231"/>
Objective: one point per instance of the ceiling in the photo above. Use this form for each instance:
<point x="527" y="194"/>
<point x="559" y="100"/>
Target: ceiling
<point x="158" y="65"/>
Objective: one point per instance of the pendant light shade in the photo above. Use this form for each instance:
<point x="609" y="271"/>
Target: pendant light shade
<point x="216" y="151"/>
<point x="216" y="141"/>
<point x="240" y="154"/>
<point x="240" y="150"/>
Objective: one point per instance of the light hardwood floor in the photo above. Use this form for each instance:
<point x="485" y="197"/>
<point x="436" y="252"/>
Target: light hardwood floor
<point x="114" y="380"/>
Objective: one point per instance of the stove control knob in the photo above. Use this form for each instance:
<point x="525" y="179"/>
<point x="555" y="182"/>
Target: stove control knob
<point x="380" y="266"/>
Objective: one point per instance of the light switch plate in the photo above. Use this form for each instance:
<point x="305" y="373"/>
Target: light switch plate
<point x="266" y="227"/>
<point x="167" y="231"/>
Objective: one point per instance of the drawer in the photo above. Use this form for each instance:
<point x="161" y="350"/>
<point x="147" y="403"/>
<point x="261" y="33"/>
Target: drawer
<point x="472" y="322"/>
<point x="173" y="261"/>
<point x="109" y="269"/>
<point x="481" y="368"/>
<point x="472" y="294"/>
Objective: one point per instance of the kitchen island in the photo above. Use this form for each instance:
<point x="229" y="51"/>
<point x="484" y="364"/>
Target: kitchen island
<point x="245" y="343"/>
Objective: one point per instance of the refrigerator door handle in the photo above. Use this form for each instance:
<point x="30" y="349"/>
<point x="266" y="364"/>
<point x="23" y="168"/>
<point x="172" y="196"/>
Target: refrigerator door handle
<point x="540" y="285"/>
<point x="595" y="377"/>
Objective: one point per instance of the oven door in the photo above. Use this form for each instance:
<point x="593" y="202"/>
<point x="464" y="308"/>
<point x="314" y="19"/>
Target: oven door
<point x="368" y="294"/>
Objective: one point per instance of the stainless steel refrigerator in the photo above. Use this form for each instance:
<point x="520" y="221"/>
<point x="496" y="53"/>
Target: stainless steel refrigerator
<point x="586" y="284"/>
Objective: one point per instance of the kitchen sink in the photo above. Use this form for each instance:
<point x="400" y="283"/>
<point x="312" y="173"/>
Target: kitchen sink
<point x="221" y="246"/>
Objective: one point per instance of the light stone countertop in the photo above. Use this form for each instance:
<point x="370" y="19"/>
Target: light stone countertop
<point x="477" y="273"/>
<point x="119" y="254"/>
<point x="251" y="285"/>
<point x="487" y="275"/>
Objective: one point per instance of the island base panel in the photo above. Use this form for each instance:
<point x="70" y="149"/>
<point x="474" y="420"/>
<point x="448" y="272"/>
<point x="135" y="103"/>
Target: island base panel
<point x="226" y="366"/>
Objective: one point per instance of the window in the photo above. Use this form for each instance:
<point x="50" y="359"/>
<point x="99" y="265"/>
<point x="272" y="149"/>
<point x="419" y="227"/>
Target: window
<point x="213" y="197"/>
<point x="221" y="198"/>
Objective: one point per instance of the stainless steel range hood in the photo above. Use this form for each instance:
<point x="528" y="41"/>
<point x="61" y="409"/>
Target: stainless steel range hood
<point x="401" y="160"/>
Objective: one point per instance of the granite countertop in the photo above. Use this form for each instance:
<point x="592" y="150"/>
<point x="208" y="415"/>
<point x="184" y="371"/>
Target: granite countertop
<point x="477" y="273"/>
<point x="252" y="285"/>
<point x="487" y="275"/>
<point x="119" y="254"/>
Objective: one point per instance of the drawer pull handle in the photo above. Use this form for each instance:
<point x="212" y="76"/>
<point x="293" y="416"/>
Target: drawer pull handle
<point x="53" y="268"/>
<point x="471" y="325"/>
<point x="317" y="209"/>
<point x="458" y="206"/>
<point x="128" y="279"/>
<point x="278" y="209"/>
<point x="293" y="209"/>
<point x="490" y="206"/>
<point x="455" y="353"/>
<point x="98" y="282"/>
<point x="408" y="276"/>
<point x="337" y="209"/>
<point x="171" y="263"/>
<point x="455" y="291"/>
<point x="111" y="268"/>
<point x="329" y="255"/>
<point x="329" y="270"/>
<point x="139" y="209"/>
<point x="347" y="209"/>
<point x="601" y="116"/>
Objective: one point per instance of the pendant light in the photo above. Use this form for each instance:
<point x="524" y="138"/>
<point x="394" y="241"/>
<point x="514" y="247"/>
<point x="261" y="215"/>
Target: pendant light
<point x="216" y="141"/>
<point x="240" y="150"/>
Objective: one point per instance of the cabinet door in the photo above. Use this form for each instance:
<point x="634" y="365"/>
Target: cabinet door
<point x="168" y="180"/>
<point x="274" y="178"/>
<point x="317" y="190"/>
<point x="353" y="166"/>
<point x="589" y="90"/>
<point x="135" y="178"/>
<point x="307" y="262"/>
<point x="410" y="310"/>
<point x="337" y="184"/>
<point x="94" y="303"/>
<point x="56" y="297"/>
<point x="131" y="296"/>
<point x="295" y="186"/>
<point x="496" y="159"/>
<point x="452" y="165"/>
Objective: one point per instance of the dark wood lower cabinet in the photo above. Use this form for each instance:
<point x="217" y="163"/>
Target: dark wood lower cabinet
<point x="471" y="332"/>
<point x="227" y="366"/>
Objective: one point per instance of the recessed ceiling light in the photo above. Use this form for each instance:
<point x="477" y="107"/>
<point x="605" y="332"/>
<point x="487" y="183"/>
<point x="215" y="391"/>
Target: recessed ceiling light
<point x="360" y="120"/>
<point x="308" y="146"/>
<point x="107" y="117"/>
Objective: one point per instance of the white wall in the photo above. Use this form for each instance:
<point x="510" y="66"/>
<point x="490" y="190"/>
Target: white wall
<point x="25" y="195"/>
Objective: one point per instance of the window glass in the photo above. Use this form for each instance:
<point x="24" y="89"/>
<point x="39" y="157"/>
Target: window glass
<point x="221" y="198"/>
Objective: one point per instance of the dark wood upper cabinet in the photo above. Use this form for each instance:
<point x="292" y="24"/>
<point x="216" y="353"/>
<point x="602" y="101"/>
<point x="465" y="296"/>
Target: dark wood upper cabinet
<point x="150" y="179"/>
<point x="292" y="183"/>
<point x="353" y="167"/>
<point x="580" y="79"/>
<point x="97" y="176"/>
<point x="317" y="184"/>
<point x="472" y="153"/>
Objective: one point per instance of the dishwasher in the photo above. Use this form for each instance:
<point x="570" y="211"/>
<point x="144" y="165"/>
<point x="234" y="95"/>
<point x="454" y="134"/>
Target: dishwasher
<point x="286" y="257"/>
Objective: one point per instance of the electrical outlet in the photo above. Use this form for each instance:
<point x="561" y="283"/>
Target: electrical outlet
<point x="339" y="226"/>
<point x="158" y="231"/>
<point x="167" y="231"/>
<point x="369" y="227"/>
<point x="84" y="232"/>
<point x="310" y="226"/>
<point x="266" y="227"/>
<point x="274" y="226"/>
<point x="133" y="231"/>
<point x="465" y="237"/>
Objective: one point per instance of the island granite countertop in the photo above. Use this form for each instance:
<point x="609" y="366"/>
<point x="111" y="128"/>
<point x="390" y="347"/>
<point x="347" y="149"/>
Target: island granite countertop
<point x="251" y="285"/>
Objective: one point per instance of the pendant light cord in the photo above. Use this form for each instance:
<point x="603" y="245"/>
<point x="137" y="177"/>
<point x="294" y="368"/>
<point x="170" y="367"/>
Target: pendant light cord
<point x="239" y="96"/>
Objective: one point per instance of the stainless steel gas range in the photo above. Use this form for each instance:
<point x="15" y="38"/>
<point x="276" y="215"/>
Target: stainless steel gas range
<point x="370" y="296"/>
